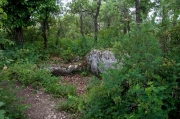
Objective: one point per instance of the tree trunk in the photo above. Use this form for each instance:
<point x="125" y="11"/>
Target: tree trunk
<point x="19" y="35"/>
<point x="164" y="25"/>
<point x="95" y="16"/>
<point x="137" y="6"/>
<point x="44" y="29"/>
<point x="95" y="29"/>
<point x="81" y="27"/>
<point x="62" y="71"/>
<point x="108" y="23"/>
<point x="175" y="17"/>
<point x="2" y="46"/>
<point x="126" y="19"/>
<point x="58" y="32"/>
<point x="176" y="13"/>
<point x="57" y="37"/>
<point x="164" y="16"/>
<point x="128" y="26"/>
<point x="81" y="23"/>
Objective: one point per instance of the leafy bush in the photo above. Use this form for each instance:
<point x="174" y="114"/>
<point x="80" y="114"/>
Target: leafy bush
<point x="29" y="74"/>
<point x="61" y="90"/>
<point x="68" y="55"/>
<point x="11" y="108"/>
<point x="70" y="105"/>
<point x="4" y="40"/>
<point x="2" y="112"/>
<point x="142" y="88"/>
<point x="71" y="48"/>
<point x="4" y="60"/>
<point x="106" y="38"/>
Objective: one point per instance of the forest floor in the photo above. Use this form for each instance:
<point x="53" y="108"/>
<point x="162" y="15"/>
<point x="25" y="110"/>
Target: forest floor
<point x="43" y="106"/>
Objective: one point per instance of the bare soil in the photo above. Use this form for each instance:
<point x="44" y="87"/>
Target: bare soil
<point x="42" y="105"/>
<point x="79" y="81"/>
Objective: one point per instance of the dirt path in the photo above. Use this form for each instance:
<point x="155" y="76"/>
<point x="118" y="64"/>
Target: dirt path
<point x="77" y="80"/>
<point x="41" y="105"/>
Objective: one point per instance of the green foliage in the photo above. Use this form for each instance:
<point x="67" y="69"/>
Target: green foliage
<point x="2" y="112"/>
<point x="29" y="54"/>
<point x="107" y="38"/>
<point x="3" y="15"/>
<point x="72" y="48"/>
<point x="174" y="45"/>
<point x="141" y="88"/>
<point x="26" y="54"/>
<point x="61" y="90"/>
<point x="68" y="55"/>
<point x="29" y="74"/>
<point x="11" y="107"/>
<point x="84" y="73"/>
<point x="70" y="105"/>
<point x="24" y="10"/>
<point x="4" y="60"/>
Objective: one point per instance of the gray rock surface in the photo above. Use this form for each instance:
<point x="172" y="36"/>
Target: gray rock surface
<point x="99" y="61"/>
<point x="58" y="70"/>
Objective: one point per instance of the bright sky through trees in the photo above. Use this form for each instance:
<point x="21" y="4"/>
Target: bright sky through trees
<point x="66" y="1"/>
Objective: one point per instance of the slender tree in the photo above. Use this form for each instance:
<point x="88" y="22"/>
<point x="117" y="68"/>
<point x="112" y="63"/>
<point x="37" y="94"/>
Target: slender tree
<point x="77" y="7"/>
<point x="45" y="11"/>
<point x="19" y="16"/>
<point x="21" y="13"/>
<point x="137" y="6"/>
<point x="90" y="7"/>
<point x="95" y="17"/>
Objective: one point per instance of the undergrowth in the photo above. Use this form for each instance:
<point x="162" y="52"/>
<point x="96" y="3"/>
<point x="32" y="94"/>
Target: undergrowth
<point x="10" y="105"/>
<point x="30" y="74"/>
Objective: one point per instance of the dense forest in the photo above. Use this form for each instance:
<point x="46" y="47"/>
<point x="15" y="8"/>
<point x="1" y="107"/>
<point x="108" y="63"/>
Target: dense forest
<point x="144" y="35"/>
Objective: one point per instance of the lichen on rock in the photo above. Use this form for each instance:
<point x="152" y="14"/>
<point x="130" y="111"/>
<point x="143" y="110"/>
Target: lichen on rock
<point x="99" y="61"/>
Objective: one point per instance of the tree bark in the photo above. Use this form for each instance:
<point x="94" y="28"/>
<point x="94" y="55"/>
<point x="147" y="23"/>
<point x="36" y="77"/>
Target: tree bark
<point x="137" y="6"/>
<point x="128" y="26"/>
<point x="108" y="23"/>
<point x="19" y="35"/>
<point x="57" y="37"/>
<point x="95" y="29"/>
<point x="95" y="16"/>
<point x="44" y="29"/>
<point x="81" y="23"/>
<point x="58" y="32"/>
<point x="61" y="71"/>
<point x="81" y="27"/>
<point x="138" y="15"/>
<point x="164" y="25"/>
<point x="2" y="46"/>
<point x="124" y="11"/>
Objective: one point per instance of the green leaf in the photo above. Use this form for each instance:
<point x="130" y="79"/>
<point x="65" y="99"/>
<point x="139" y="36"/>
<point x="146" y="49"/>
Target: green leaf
<point x="2" y="112"/>
<point x="1" y="104"/>
<point x="1" y="10"/>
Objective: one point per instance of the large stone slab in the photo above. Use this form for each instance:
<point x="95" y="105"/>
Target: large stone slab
<point x="99" y="61"/>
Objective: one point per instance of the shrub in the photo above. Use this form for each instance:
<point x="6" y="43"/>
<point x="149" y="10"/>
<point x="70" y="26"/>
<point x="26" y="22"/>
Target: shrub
<point x="70" y="104"/>
<point x="132" y="93"/>
<point x="142" y="88"/>
<point x="4" y="60"/>
<point x="29" y="74"/>
<point x="2" y="112"/>
<point x="61" y="90"/>
<point x="11" y="108"/>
